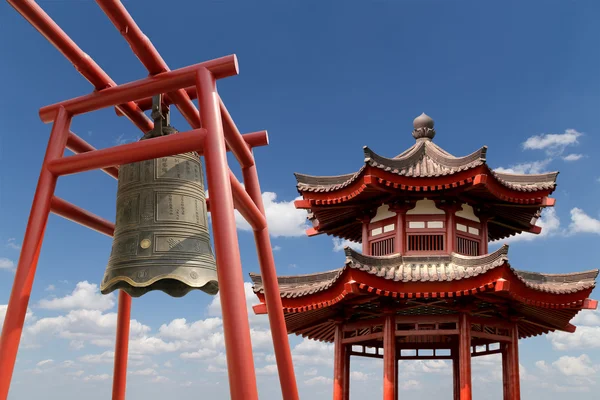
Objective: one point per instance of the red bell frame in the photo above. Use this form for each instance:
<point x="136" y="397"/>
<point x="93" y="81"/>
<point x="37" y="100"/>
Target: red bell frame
<point x="213" y="133"/>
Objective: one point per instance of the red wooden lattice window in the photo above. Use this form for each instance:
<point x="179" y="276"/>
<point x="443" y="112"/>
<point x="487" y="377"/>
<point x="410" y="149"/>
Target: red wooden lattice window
<point x="425" y="234"/>
<point x="382" y="237"/>
<point x="468" y="237"/>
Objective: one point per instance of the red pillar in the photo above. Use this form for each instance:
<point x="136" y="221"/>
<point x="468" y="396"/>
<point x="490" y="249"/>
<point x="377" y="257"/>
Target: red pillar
<point x="30" y="252"/>
<point x="347" y="373"/>
<point x="389" y="357"/>
<point x="455" y="374"/>
<point x="339" y="363"/>
<point x="283" y="355"/>
<point x="396" y="377"/>
<point x="121" y="347"/>
<point x="513" y="364"/>
<point x="484" y="234"/>
<point x="506" y="387"/>
<point x="366" y="220"/>
<point x="400" y="210"/>
<point x="464" y="355"/>
<point x="236" y="329"/>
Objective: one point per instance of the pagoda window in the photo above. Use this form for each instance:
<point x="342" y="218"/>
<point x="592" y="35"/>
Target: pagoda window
<point x="382" y="235"/>
<point x="468" y="237"/>
<point x="425" y="230"/>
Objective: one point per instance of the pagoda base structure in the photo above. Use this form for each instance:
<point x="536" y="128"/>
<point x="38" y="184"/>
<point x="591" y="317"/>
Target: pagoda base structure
<point x="446" y="307"/>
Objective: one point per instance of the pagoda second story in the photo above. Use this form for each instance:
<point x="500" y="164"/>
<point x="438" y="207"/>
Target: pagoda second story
<point x="425" y="201"/>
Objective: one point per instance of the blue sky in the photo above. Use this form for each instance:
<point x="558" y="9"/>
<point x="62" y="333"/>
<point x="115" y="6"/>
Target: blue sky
<point x="325" y="79"/>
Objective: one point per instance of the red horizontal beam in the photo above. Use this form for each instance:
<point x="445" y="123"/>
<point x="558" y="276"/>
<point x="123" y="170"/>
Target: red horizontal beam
<point x="234" y="138"/>
<point x="146" y="52"/>
<point x="86" y="66"/>
<point x="245" y="205"/>
<point x="259" y="309"/>
<point x="146" y="104"/>
<point x="132" y="152"/>
<point x="165" y="82"/>
<point x="78" y="146"/>
<point x="76" y="214"/>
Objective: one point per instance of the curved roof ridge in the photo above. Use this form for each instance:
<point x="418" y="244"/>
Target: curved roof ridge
<point x="440" y="156"/>
<point x="468" y="261"/>
<point x="410" y="158"/>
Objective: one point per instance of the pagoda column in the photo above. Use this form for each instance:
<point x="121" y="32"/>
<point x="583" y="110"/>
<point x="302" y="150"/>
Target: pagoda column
<point x="346" y="395"/>
<point x="339" y="363"/>
<point x="510" y="366"/>
<point x="390" y="364"/>
<point x="450" y="209"/>
<point x="483" y="220"/>
<point x="464" y="356"/>
<point x="400" y="209"/>
<point x="455" y="374"/>
<point x="505" y="371"/>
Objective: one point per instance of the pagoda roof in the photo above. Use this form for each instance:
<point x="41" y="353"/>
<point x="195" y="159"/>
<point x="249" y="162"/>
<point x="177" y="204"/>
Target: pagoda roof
<point x="426" y="159"/>
<point x="546" y="302"/>
<point x="435" y="268"/>
<point x="513" y="202"/>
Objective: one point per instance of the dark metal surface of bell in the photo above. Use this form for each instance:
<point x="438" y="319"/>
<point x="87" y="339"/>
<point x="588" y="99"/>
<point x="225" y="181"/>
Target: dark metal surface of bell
<point x="161" y="239"/>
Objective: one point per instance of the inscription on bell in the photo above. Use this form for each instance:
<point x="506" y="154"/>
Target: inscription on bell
<point x="178" y="168"/>
<point x="130" y="174"/>
<point x="182" y="244"/>
<point x="178" y="207"/>
<point x="128" y="213"/>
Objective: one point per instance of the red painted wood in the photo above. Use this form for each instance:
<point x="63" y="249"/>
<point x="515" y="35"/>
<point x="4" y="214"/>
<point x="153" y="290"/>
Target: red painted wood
<point x="238" y="345"/>
<point x="389" y="358"/>
<point x="121" y="347"/>
<point x="455" y="374"/>
<point x="346" y="395"/>
<point x="505" y="372"/>
<point x="30" y="252"/>
<point x="281" y="345"/>
<point x="513" y="366"/>
<point x="339" y="361"/>
<point x="464" y="356"/>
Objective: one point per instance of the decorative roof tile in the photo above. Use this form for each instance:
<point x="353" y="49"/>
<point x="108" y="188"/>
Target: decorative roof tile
<point x="437" y="268"/>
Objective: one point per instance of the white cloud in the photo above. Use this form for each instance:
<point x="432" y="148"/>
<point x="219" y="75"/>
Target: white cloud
<point x="84" y="296"/>
<point x="311" y="352"/>
<point x="576" y="366"/>
<point x="410" y="385"/>
<point x="583" y="223"/>
<point x="339" y="244"/>
<point x="310" y="372"/>
<point x="318" y="380"/>
<point x="13" y="244"/>
<point x="270" y="369"/>
<point x="534" y="167"/>
<point x="553" y="143"/>
<point x="587" y="318"/>
<point x="44" y="362"/>
<point x="179" y="329"/>
<point x="276" y="248"/>
<point x="50" y="288"/>
<point x="573" y="157"/>
<point x="7" y="264"/>
<point x="542" y="366"/>
<point x="201" y="354"/>
<point x="282" y="217"/>
<point x="97" y="378"/>
<point x="144" y="372"/>
<point x="360" y="376"/>
<point x="160" y="379"/>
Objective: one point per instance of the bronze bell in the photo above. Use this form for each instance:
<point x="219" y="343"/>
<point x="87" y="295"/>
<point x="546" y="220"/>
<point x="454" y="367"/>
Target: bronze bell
<point x="161" y="239"/>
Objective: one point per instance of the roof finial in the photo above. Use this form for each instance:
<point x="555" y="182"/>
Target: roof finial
<point x="423" y="125"/>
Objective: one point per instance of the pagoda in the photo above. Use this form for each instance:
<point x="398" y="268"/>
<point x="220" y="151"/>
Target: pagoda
<point x="425" y="285"/>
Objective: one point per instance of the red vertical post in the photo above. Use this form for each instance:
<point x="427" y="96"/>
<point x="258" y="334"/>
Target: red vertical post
<point x="236" y="328"/>
<point x="396" y="377"/>
<point x="455" y="374"/>
<point x="281" y="344"/>
<point x="506" y="387"/>
<point x="483" y="219"/>
<point x="365" y="234"/>
<point x="513" y="363"/>
<point x="464" y="355"/>
<point x="121" y="347"/>
<point x="339" y="361"/>
<point x="30" y="252"/>
<point x="389" y="357"/>
<point x="346" y="395"/>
